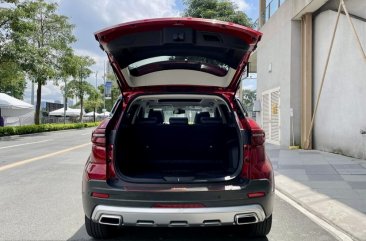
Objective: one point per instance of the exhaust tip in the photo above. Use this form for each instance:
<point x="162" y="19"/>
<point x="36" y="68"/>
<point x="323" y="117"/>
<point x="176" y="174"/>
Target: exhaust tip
<point x="110" y="220"/>
<point x="241" y="219"/>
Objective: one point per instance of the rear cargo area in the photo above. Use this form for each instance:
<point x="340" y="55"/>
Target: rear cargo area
<point x="178" y="140"/>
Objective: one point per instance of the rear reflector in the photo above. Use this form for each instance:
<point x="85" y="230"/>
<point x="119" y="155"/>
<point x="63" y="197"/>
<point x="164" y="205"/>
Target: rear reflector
<point x="100" y="195"/>
<point x="256" y="194"/>
<point x="178" y="205"/>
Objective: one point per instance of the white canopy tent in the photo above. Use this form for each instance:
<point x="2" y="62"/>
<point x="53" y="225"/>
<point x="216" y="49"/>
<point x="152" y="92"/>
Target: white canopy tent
<point x="69" y="112"/>
<point x="16" y="112"/>
<point x="105" y="114"/>
<point x="91" y="114"/>
<point x="12" y="107"/>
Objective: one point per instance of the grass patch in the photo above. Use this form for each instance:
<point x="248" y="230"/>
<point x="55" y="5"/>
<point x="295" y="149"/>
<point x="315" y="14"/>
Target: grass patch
<point x="29" y="129"/>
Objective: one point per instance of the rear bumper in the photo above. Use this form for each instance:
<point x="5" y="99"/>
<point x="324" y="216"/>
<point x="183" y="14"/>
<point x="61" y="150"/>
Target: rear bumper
<point x="221" y="201"/>
<point x="178" y="217"/>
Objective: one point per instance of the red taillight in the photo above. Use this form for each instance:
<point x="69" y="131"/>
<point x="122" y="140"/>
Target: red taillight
<point x="100" y="195"/>
<point x="255" y="164"/>
<point x="99" y="167"/>
<point x="178" y="205"/>
<point x="257" y="137"/>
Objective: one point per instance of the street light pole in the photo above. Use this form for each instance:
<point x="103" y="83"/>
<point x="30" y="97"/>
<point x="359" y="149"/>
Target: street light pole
<point x="96" y="80"/>
<point x="81" y="95"/>
<point x="96" y="88"/>
<point x="65" y="100"/>
<point x="104" y="85"/>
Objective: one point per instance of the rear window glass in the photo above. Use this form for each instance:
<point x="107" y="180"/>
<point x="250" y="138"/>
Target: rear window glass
<point x="192" y="59"/>
<point x="198" y="63"/>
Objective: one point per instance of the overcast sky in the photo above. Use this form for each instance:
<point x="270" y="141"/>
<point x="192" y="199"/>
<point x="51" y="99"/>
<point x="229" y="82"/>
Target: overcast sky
<point x="89" y="16"/>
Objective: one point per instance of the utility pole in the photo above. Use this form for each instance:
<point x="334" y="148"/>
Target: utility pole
<point x="65" y="100"/>
<point x="81" y="95"/>
<point x="96" y="80"/>
<point x="96" y="88"/>
<point x="32" y="94"/>
<point x="104" y="85"/>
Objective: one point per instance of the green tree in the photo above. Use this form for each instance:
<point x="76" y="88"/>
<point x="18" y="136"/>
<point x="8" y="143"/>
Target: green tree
<point x="224" y="10"/>
<point x="94" y="101"/>
<point x="67" y="68"/>
<point x="79" y="87"/>
<point x="249" y="96"/>
<point x="5" y="31"/>
<point x="12" y="79"/>
<point x="11" y="75"/>
<point x="40" y="37"/>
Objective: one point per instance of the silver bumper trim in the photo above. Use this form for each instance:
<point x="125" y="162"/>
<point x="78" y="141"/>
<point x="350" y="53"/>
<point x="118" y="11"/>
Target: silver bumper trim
<point x="209" y="216"/>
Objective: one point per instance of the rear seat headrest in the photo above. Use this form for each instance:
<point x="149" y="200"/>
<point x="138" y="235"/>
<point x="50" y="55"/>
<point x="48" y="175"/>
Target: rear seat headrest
<point x="197" y="118"/>
<point x="211" y="120"/>
<point x="178" y="120"/>
<point x="147" y="121"/>
<point x="158" y="114"/>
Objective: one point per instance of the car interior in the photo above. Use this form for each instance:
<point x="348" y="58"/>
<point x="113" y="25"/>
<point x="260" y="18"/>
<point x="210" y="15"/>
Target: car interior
<point x="164" y="137"/>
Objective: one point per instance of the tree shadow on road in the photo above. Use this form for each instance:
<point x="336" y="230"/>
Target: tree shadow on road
<point x="161" y="234"/>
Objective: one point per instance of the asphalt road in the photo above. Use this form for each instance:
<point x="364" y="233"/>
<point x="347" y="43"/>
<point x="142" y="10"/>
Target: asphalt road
<point x="40" y="197"/>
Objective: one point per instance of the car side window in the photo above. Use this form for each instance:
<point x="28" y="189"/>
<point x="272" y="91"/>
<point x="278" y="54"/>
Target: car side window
<point x="242" y="109"/>
<point x="115" y="106"/>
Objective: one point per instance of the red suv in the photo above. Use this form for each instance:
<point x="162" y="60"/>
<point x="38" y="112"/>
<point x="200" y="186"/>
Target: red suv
<point x="178" y="151"/>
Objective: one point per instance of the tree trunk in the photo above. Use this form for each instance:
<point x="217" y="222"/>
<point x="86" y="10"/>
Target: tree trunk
<point x="81" y="108"/>
<point x="38" y="104"/>
<point x="94" y="113"/>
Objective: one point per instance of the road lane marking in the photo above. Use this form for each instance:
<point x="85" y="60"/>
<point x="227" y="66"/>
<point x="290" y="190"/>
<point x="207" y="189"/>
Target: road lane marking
<point x="86" y="134"/>
<point x="20" y="163"/>
<point x="24" y="144"/>
<point x="335" y="231"/>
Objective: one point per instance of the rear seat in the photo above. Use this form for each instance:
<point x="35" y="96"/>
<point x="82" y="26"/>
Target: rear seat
<point x="178" y="121"/>
<point x="178" y="140"/>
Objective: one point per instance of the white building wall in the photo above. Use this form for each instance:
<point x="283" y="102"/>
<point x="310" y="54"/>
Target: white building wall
<point x="280" y="35"/>
<point x="342" y="107"/>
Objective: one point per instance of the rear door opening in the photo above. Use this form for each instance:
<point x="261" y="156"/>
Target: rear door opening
<point x="178" y="138"/>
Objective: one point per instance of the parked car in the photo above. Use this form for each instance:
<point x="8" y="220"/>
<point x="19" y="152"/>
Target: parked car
<point x="178" y="150"/>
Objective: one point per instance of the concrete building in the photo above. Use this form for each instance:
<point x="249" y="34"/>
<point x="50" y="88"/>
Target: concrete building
<point x="290" y="62"/>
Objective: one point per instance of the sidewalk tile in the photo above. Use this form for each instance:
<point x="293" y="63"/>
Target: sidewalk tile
<point x="273" y="153"/>
<point x="361" y="193"/>
<point x="335" y="193"/>
<point x="352" y="171"/>
<point x="358" y="185"/>
<point x="290" y="167"/>
<point x="327" y="184"/>
<point x="310" y="160"/>
<point x="346" y="166"/>
<point x="354" y="178"/>
<point x="324" y="177"/>
<point x="320" y="169"/>
<point x="356" y="204"/>
<point x="292" y="172"/>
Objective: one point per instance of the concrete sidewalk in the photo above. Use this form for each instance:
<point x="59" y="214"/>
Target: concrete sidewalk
<point x="331" y="186"/>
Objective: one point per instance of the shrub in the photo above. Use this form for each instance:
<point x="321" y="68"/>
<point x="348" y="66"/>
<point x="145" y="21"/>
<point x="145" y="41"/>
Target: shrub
<point x="28" y="129"/>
